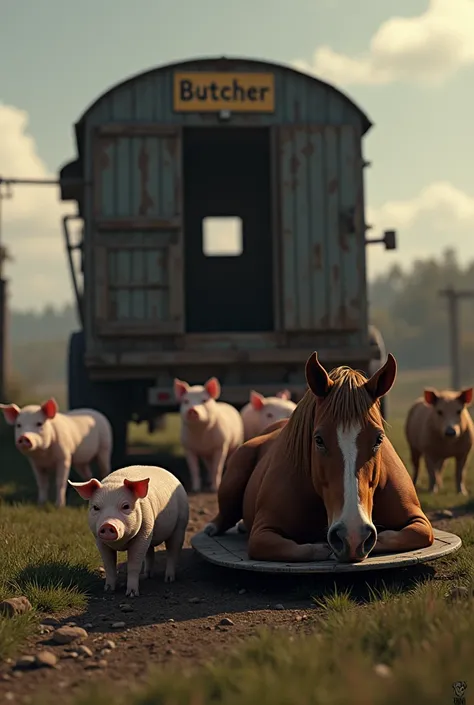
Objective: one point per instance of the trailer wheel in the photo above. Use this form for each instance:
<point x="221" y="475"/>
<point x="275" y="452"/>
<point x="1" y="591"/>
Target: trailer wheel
<point x="102" y="396"/>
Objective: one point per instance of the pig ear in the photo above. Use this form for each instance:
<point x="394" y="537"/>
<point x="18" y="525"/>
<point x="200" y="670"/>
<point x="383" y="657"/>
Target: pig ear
<point x="284" y="394"/>
<point x="50" y="408"/>
<point x="86" y="489"/>
<point x="431" y="396"/>
<point x="257" y="400"/>
<point x="139" y="488"/>
<point x="10" y="412"/>
<point x="466" y="396"/>
<point x="213" y="388"/>
<point x="180" y="388"/>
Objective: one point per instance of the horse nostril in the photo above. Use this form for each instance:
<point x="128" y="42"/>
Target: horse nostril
<point x="337" y="538"/>
<point x="369" y="539"/>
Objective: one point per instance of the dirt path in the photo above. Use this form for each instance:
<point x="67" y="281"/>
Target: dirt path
<point x="173" y="624"/>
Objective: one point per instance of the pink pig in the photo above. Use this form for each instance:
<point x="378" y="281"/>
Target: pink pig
<point x="210" y="430"/>
<point x="53" y="442"/>
<point x="262" y="411"/>
<point x="136" y="509"/>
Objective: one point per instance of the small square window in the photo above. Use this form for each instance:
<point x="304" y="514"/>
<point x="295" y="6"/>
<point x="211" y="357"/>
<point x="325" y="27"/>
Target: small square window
<point x="222" y="236"/>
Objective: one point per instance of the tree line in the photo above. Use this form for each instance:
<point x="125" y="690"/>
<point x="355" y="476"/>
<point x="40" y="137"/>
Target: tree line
<point x="404" y="304"/>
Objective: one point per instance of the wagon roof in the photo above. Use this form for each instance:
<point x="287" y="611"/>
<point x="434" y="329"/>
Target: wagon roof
<point x="218" y="63"/>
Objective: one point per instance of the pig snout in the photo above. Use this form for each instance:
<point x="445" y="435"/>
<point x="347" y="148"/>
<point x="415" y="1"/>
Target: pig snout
<point x="24" y="443"/>
<point x="192" y="414"/>
<point x="108" y="531"/>
<point x="450" y="432"/>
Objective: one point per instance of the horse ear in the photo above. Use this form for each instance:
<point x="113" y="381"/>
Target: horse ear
<point x="382" y="381"/>
<point x="317" y="377"/>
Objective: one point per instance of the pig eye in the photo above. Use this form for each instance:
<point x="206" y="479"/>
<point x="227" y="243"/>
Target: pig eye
<point x="439" y="412"/>
<point x="39" y="424"/>
<point x="125" y="506"/>
<point x="95" y="508"/>
<point x="18" y="425"/>
<point x="186" y="401"/>
<point x="269" y="415"/>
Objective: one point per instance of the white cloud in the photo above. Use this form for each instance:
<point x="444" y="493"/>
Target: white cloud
<point x="426" y="49"/>
<point x="440" y="216"/>
<point x="31" y="220"/>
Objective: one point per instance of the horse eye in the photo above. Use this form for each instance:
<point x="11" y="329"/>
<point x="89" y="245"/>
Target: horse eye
<point x="379" y="441"/>
<point x="319" y="441"/>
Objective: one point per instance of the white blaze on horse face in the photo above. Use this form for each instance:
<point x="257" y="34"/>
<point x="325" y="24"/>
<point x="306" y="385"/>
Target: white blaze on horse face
<point x="353" y="514"/>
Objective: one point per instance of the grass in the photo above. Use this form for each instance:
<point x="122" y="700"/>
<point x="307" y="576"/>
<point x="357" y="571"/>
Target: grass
<point x="424" y="638"/>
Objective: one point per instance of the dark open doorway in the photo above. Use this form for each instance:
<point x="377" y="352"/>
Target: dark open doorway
<point x="227" y="174"/>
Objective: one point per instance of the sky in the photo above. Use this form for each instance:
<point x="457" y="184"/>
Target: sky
<point x="409" y="64"/>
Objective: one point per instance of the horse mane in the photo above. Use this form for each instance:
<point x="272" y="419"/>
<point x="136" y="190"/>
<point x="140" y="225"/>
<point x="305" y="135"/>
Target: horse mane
<point x="345" y="405"/>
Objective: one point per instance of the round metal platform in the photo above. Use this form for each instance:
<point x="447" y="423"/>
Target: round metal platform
<point x="230" y="551"/>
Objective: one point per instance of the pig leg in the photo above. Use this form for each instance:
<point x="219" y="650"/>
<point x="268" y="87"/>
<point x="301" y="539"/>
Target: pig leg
<point x="103" y="461"/>
<point x="42" y="482"/>
<point x="434" y="468"/>
<point x="62" y="473"/>
<point x="216" y="467"/>
<point x="415" y="460"/>
<point x="460" y="465"/>
<point x="150" y="563"/>
<point x="84" y="471"/>
<point x="193" y="465"/>
<point x="174" y="545"/>
<point x="135" y="557"/>
<point x="109" y="559"/>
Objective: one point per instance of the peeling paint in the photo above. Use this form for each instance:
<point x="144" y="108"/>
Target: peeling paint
<point x="146" y="200"/>
<point x="317" y="256"/>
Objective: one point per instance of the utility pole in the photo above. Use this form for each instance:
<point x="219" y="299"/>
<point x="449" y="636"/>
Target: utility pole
<point x="4" y="257"/>
<point x="453" y="297"/>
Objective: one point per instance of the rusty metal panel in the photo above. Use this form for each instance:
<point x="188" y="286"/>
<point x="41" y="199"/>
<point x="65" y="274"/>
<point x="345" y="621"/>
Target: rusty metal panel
<point x="322" y="228"/>
<point x="135" y="285"/>
<point x="137" y="176"/>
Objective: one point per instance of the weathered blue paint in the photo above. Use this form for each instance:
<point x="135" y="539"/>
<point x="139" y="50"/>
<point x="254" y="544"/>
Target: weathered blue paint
<point x="319" y="223"/>
<point x="137" y="177"/>
<point x="323" y="241"/>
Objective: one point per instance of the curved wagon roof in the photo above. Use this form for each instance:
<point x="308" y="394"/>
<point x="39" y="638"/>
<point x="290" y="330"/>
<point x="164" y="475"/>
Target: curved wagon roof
<point x="223" y="63"/>
<point x="212" y="63"/>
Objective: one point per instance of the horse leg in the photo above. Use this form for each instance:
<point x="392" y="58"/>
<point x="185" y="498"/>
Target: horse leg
<point x="230" y="494"/>
<point x="417" y="535"/>
<point x="266" y="545"/>
<point x="460" y="472"/>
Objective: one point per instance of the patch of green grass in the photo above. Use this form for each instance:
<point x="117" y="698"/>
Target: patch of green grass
<point x="14" y="631"/>
<point x="425" y="641"/>
<point x="50" y="557"/>
<point x="166" y="440"/>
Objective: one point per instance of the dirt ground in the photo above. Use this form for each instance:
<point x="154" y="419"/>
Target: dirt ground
<point x="177" y="624"/>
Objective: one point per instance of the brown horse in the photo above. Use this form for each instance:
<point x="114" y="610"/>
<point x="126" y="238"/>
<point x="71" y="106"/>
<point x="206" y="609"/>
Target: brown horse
<point x="328" y="474"/>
